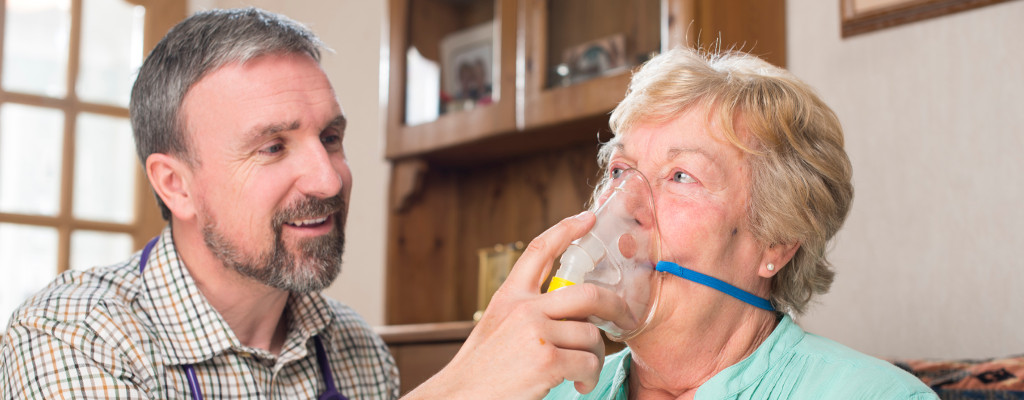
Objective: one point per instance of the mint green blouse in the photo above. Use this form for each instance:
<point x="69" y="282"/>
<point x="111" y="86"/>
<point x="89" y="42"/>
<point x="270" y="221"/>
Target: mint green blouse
<point x="790" y="364"/>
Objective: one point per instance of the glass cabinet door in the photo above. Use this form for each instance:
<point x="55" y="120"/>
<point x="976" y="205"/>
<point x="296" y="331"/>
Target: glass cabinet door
<point x="588" y="40"/>
<point x="579" y="54"/>
<point x="452" y="73"/>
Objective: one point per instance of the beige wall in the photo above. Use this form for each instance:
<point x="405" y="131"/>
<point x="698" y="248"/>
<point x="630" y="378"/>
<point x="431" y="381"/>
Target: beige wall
<point x="928" y="261"/>
<point x="353" y="29"/>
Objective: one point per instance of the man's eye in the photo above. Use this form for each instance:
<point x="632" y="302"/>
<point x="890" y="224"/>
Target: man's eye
<point x="682" y="177"/>
<point x="330" y="139"/>
<point x="273" y="149"/>
<point x="616" y="173"/>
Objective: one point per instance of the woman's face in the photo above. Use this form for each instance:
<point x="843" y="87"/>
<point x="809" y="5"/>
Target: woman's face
<point x="701" y="184"/>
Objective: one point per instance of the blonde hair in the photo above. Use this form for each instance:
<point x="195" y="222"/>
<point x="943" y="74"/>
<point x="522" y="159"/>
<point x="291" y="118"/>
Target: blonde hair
<point x="800" y="175"/>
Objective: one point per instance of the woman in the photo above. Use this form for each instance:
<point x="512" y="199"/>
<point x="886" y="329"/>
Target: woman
<point x="750" y="181"/>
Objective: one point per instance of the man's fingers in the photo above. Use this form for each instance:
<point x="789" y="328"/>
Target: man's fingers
<point x="575" y="335"/>
<point x="533" y="266"/>
<point x="579" y="302"/>
<point x="581" y="367"/>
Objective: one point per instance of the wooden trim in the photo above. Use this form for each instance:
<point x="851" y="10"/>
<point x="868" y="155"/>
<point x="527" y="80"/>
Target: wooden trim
<point x="854" y="23"/>
<point x="395" y="99"/>
<point x="72" y="224"/>
<point x="25" y="219"/>
<point x="534" y="49"/>
<point x="64" y="213"/>
<point x="67" y="174"/>
<point x="678" y="24"/>
<point x="74" y="51"/>
<point x="456" y="331"/>
<point x="161" y="16"/>
<point x="65" y="104"/>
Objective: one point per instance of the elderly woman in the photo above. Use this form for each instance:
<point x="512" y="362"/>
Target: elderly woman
<point x="750" y="181"/>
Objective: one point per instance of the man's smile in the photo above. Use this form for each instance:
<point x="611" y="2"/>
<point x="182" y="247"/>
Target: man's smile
<point x="307" y="222"/>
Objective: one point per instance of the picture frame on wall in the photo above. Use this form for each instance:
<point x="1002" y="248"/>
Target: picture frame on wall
<point x="862" y="16"/>
<point x="467" y="67"/>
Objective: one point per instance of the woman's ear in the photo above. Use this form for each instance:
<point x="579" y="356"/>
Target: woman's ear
<point x="775" y="258"/>
<point x="171" y="179"/>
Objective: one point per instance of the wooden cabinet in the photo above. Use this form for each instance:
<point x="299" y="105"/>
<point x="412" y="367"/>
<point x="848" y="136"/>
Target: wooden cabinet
<point x="473" y="169"/>
<point x="420" y="350"/>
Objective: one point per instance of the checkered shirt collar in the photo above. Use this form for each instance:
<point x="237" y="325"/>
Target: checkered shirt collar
<point x="190" y="330"/>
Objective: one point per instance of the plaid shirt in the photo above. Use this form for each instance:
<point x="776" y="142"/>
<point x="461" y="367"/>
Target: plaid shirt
<point x="115" y="333"/>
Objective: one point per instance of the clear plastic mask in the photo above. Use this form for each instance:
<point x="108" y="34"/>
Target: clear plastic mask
<point x="619" y="252"/>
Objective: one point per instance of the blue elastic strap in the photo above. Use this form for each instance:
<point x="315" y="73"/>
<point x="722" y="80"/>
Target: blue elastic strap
<point x="714" y="283"/>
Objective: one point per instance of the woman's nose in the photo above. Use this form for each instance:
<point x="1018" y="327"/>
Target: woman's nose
<point x="641" y="209"/>
<point x="638" y="201"/>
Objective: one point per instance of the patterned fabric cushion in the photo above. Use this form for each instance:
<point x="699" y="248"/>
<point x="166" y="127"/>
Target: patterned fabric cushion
<point x="998" y="378"/>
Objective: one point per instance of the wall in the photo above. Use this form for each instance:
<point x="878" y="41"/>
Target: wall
<point x="352" y="28"/>
<point x="927" y="261"/>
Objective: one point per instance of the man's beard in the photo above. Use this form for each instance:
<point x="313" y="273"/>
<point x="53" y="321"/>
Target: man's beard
<point x="312" y="270"/>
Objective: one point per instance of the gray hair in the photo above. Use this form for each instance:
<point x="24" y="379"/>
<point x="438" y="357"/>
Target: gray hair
<point x="194" y="48"/>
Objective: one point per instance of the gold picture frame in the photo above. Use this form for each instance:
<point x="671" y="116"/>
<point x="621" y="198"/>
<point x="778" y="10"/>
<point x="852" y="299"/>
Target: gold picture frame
<point x="495" y="264"/>
<point x="862" y="16"/>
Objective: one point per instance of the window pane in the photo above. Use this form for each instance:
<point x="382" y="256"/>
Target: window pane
<point x="36" y="36"/>
<point x="92" y="248"/>
<point x="28" y="261"/>
<point x="31" y="141"/>
<point x="104" y="169"/>
<point x="111" y="50"/>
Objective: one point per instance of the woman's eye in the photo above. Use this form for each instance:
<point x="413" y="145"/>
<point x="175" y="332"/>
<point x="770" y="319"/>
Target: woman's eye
<point x="616" y="173"/>
<point x="682" y="177"/>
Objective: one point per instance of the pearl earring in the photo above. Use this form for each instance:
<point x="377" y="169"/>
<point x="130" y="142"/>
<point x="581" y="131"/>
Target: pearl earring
<point x="771" y="267"/>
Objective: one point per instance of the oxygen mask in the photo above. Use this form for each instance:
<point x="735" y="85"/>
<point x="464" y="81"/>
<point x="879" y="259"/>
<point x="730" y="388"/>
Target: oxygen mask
<point x="620" y="252"/>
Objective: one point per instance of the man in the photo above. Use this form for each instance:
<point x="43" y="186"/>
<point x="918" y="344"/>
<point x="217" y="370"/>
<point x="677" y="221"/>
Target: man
<point x="241" y="137"/>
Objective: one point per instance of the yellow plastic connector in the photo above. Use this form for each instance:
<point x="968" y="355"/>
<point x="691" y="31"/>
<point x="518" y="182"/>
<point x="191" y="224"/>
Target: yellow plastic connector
<point x="558" y="283"/>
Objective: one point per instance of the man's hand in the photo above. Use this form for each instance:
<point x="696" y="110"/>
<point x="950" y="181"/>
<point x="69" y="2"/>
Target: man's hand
<point x="528" y="342"/>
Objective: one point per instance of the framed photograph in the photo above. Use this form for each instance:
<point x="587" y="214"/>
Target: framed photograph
<point x="495" y="264"/>
<point x="595" y="58"/>
<point x="467" y="65"/>
<point x="862" y="16"/>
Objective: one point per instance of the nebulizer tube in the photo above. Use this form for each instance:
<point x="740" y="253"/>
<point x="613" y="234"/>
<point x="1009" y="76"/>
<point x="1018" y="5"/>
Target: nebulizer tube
<point x="619" y="252"/>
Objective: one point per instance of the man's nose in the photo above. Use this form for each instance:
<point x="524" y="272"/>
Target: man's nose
<point x="318" y="176"/>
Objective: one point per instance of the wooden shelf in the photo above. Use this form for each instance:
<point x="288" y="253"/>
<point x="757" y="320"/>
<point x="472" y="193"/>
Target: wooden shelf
<point x="455" y="331"/>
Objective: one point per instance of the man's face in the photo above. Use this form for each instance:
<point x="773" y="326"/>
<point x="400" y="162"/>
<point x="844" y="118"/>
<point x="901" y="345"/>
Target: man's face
<point x="271" y="186"/>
